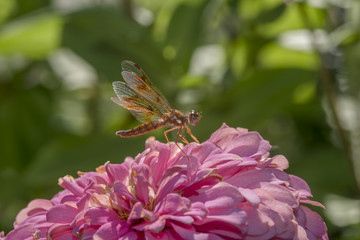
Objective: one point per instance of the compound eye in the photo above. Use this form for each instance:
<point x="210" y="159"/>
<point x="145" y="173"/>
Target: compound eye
<point x="194" y="118"/>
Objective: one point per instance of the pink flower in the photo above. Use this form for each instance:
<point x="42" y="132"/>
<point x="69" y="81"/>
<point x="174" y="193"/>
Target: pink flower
<point x="225" y="188"/>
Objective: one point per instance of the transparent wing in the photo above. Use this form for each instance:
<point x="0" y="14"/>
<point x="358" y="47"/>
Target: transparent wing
<point x="137" y="80"/>
<point x="139" y="107"/>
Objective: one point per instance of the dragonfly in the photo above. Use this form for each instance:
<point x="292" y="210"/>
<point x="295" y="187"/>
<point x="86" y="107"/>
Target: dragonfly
<point x="146" y="103"/>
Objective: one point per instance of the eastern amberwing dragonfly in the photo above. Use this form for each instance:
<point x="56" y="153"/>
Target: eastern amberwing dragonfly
<point x="149" y="106"/>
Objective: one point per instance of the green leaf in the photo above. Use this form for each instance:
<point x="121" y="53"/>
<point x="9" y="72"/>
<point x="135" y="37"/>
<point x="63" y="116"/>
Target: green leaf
<point x="33" y="36"/>
<point x="69" y="154"/>
<point x="190" y="81"/>
<point x="106" y="37"/>
<point x="24" y="123"/>
<point x="6" y="8"/>
<point x="266" y="93"/>
<point x="185" y="31"/>
<point x="304" y="93"/>
<point x="270" y="15"/>
<point x="276" y="56"/>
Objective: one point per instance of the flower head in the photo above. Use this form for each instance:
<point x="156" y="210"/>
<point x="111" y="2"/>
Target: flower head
<point x="225" y="188"/>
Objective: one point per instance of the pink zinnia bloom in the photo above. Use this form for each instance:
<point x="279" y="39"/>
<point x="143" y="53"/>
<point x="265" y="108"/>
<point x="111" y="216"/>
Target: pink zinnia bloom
<point x="228" y="187"/>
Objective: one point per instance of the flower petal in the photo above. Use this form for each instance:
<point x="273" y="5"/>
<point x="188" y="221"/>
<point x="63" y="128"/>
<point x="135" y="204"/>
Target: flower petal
<point x="62" y="213"/>
<point x="198" y="210"/>
<point x="112" y="230"/>
<point x="35" y="206"/>
<point x="313" y="222"/>
<point x="142" y="188"/>
<point x="117" y="172"/>
<point x="173" y="204"/>
<point x="300" y="186"/>
<point x="121" y="189"/>
<point x="250" y="145"/>
<point x="169" y="184"/>
<point x="25" y="231"/>
<point x="229" y="197"/>
<point x="60" y="232"/>
<point x="99" y="216"/>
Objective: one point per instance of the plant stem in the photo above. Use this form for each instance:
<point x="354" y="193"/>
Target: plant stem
<point x="326" y="79"/>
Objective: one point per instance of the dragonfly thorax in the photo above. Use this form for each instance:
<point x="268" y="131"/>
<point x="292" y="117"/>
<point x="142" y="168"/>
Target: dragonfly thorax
<point x="175" y="118"/>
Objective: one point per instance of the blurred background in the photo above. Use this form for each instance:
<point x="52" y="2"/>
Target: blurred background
<point x="287" y="69"/>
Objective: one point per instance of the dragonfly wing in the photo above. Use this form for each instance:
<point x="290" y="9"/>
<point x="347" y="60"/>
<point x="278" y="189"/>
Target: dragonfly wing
<point x="137" y="79"/>
<point x="140" y="107"/>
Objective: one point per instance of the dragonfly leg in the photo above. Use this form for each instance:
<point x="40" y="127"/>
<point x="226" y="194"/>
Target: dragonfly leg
<point x="178" y="134"/>
<point x="191" y="135"/>
<point x="166" y="132"/>
<point x="177" y="138"/>
<point x="181" y="134"/>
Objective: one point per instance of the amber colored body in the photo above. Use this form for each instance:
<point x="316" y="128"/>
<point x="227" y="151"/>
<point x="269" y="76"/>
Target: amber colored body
<point x="174" y="118"/>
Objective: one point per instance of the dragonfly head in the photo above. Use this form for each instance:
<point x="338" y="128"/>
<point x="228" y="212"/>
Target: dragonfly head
<point x="193" y="117"/>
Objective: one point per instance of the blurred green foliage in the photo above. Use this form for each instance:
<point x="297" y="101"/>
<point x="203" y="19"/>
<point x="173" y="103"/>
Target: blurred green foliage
<point x="270" y="66"/>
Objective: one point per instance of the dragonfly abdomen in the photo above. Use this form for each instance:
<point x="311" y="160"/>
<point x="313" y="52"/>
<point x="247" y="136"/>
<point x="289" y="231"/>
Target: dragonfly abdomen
<point x="145" y="128"/>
